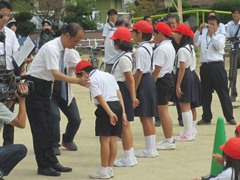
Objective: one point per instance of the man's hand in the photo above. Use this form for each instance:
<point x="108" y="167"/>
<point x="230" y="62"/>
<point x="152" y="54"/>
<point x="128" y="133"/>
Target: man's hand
<point x="23" y="89"/>
<point x="200" y="28"/>
<point x="28" y="59"/>
<point x="83" y="81"/>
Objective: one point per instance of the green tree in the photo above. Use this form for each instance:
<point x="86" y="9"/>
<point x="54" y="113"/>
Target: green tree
<point x="80" y="11"/>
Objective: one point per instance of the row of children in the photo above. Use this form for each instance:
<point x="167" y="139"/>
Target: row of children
<point x="145" y="94"/>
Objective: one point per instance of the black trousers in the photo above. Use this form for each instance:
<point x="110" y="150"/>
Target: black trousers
<point x="73" y="117"/>
<point x="214" y="77"/>
<point x="8" y="131"/>
<point x="38" y="107"/>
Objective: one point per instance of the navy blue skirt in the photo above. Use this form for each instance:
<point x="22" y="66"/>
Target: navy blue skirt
<point x="146" y="94"/>
<point x="197" y="91"/>
<point x="128" y="104"/>
<point x="186" y="87"/>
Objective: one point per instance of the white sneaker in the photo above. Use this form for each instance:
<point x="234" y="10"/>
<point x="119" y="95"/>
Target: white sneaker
<point x="146" y="154"/>
<point x="124" y="162"/>
<point x="99" y="175"/>
<point x="194" y="134"/>
<point x="134" y="160"/>
<point x="110" y="172"/>
<point x="184" y="138"/>
<point x="165" y="145"/>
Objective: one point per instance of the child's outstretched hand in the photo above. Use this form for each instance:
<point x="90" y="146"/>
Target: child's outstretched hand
<point x="218" y="158"/>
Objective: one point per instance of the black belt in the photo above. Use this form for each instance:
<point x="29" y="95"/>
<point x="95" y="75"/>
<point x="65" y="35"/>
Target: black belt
<point x="37" y="80"/>
<point x="212" y="62"/>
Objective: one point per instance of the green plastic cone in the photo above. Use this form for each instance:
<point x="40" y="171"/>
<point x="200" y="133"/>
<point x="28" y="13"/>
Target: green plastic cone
<point x="220" y="139"/>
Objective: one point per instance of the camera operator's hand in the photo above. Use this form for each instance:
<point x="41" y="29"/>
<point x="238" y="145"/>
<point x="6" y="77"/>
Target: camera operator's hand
<point x="28" y="59"/>
<point x="23" y="89"/>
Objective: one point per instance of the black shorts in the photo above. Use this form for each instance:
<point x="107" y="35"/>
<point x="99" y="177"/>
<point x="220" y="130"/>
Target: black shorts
<point x="103" y="127"/>
<point x="165" y="86"/>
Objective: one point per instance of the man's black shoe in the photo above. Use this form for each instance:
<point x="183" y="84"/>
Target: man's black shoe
<point x="57" y="151"/>
<point x="71" y="146"/>
<point x="58" y="167"/>
<point x="180" y="122"/>
<point x="158" y="123"/>
<point x="48" y="172"/>
<point x="202" y="122"/>
<point x="232" y="122"/>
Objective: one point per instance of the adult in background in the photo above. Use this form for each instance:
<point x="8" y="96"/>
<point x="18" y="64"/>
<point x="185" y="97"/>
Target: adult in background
<point x="12" y="154"/>
<point x="45" y="69"/>
<point x="111" y="54"/>
<point x="112" y="16"/>
<point x="233" y="34"/>
<point x="212" y="72"/>
<point x="68" y="106"/>
<point x="173" y="21"/>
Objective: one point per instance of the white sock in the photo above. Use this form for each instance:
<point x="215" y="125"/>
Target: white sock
<point x="187" y="122"/>
<point x="127" y="154"/>
<point x="148" y="142"/>
<point x="194" y="126"/>
<point x="110" y="168"/>
<point x="132" y="152"/>
<point x="104" y="170"/>
<point x="170" y="140"/>
<point x="153" y="141"/>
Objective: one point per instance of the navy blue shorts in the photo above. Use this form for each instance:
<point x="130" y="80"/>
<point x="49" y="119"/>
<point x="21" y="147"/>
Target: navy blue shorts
<point x="103" y="127"/>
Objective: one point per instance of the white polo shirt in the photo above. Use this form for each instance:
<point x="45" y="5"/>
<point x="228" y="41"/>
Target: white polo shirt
<point x="103" y="83"/>
<point x="107" y="27"/>
<point x="122" y="65"/>
<point x="46" y="60"/>
<point x="110" y="53"/>
<point x="164" y="56"/>
<point x="184" y="55"/>
<point x="142" y="59"/>
<point x="11" y="46"/>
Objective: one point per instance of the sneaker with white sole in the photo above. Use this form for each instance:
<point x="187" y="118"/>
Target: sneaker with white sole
<point x="165" y="145"/>
<point x="124" y="162"/>
<point x="146" y="154"/>
<point x="99" y="175"/>
<point x="134" y="160"/>
<point x="110" y="172"/>
<point x="184" y="137"/>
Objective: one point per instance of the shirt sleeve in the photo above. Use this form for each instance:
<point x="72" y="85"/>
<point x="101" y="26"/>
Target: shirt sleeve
<point x="159" y="57"/>
<point x="52" y="59"/>
<point x="94" y="88"/>
<point x="73" y="58"/>
<point x="224" y="175"/>
<point x="6" y="115"/>
<point x="125" y="64"/>
<point x="182" y="55"/>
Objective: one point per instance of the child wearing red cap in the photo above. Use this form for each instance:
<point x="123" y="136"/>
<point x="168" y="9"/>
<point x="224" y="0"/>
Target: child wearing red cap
<point x="163" y="59"/>
<point x="110" y="113"/>
<point x="145" y="87"/>
<point x="231" y="157"/>
<point x="122" y="71"/>
<point x="187" y="83"/>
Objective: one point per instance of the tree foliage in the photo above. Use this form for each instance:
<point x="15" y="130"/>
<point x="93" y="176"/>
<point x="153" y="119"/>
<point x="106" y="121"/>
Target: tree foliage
<point x="24" y="26"/>
<point x="80" y="11"/>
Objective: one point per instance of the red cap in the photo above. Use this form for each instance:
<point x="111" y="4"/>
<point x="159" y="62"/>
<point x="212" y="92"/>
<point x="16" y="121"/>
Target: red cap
<point x="122" y="33"/>
<point x="82" y="64"/>
<point x="164" y="28"/>
<point x="143" y="26"/>
<point x="232" y="148"/>
<point x="184" y="29"/>
<point x="238" y="128"/>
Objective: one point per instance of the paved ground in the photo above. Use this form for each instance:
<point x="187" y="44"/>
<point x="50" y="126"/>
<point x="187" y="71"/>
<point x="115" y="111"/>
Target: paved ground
<point x="189" y="160"/>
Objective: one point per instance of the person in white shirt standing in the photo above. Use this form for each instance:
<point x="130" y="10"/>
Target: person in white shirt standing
<point x="163" y="60"/>
<point x="233" y="34"/>
<point x="112" y="16"/>
<point x="212" y="72"/>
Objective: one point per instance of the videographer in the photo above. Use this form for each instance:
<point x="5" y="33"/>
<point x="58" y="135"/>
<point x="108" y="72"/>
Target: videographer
<point x="8" y="46"/>
<point x="11" y="155"/>
<point x="233" y="34"/>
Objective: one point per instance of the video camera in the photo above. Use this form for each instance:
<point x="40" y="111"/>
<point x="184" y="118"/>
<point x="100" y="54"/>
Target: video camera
<point x="8" y="85"/>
